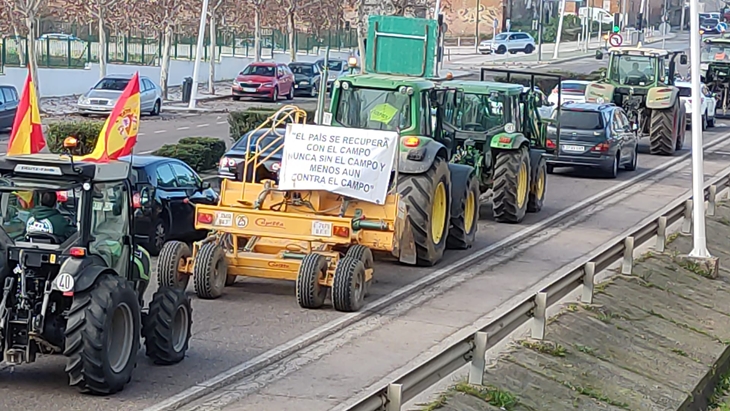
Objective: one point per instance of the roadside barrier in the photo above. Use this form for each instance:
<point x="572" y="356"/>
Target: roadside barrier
<point x="472" y="349"/>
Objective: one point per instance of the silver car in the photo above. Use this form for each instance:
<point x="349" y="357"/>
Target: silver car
<point x="104" y="95"/>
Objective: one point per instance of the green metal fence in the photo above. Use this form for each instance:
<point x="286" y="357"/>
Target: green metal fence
<point x="76" y="52"/>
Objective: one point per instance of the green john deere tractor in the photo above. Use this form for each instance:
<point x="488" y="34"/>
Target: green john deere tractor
<point x="637" y="81"/>
<point x="500" y="133"/>
<point x="715" y="65"/>
<point x="397" y="95"/>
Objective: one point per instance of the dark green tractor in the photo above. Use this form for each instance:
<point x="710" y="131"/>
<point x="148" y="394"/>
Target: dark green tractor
<point x="715" y="64"/>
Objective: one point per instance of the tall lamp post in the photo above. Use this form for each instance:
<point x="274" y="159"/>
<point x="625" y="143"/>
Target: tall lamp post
<point x="198" y="54"/>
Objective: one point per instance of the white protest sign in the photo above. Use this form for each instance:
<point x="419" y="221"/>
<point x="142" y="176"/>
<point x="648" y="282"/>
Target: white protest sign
<point x="351" y="162"/>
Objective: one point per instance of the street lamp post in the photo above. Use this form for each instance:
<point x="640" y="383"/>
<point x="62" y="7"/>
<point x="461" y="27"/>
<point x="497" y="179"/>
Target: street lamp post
<point x="198" y="54"/>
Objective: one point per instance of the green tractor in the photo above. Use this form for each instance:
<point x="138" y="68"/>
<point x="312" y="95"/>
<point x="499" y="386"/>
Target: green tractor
<point x="397" y="95"/>
<point x="638" y="82"/>
<point x="715" y="65"/>
<point x="499" y="131"/>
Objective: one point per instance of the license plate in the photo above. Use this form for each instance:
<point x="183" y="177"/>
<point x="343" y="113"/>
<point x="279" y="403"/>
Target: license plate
<point x="321" y="229"/>
<point x="249" y="90"/>
<point x="575" y="149"/>
<point x="224" y="219"/>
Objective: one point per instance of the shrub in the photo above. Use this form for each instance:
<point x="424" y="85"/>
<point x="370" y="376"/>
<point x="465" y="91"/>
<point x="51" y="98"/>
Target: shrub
<point x="86" y="132"/>
<point x="241" y="122"/>
<point x="200" y="153"/>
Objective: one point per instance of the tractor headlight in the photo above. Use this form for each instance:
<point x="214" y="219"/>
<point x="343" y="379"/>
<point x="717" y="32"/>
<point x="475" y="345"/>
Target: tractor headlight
<point x="64" y="283"/>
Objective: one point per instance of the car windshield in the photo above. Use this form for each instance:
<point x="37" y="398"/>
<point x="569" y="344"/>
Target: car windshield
<point x="483" y="112"/>
<point x="581" y="120"/>
<point x="33" y="207"/>
<point x="685" y="92"/>
<point x="501" y="36"/>
<point x="256" y="70"/>
<point x="112" y="84"/>
<point x="632" y="70"/>
<point x="573" y="88"/>
<point x="715" y="52"/>
<point x="711" y="22"/>
<point x="306" y="70"/>
<point x="335" y="65"/>
<point x="374" y="109"/>
<point x="263" y="139"/>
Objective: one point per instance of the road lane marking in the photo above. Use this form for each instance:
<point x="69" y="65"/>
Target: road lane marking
<point x="160" y="131"/>
<point x="222" y="122"/>
<point x="183" y="128"/>
<point x="203" y="125"/>
<point x="318" y="334"/>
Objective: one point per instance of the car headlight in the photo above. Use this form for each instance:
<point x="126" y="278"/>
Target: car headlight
<point x="83" y="100"/>
<point x="267" y="85"/>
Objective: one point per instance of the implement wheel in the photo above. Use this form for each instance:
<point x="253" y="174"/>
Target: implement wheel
<point x="102" y="336"/>
<point x="511" y="185"/>
<point x="464" y="227"/>
<point x="428" y="199"/>
<point x="362" y="253"/>
<point x="209" y="271"/>
<point x="663" y="131"/>
<point x="538" y="189"/>
<point x="173" y="255"/>
<point x="166" y="329"/>
<point x="348" y="288"/>
<point x="310" y="293"/>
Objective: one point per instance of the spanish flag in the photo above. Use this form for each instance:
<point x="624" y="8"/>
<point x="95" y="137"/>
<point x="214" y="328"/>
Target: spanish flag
<point x="27" y="135"/>
<point x="119" y="134"/>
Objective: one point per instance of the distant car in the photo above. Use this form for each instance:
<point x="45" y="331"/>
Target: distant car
<point x="594" y="136"/>
<point x="8" y="106"/>
<point x="335" y="67"/>
<point x="307" y="78"/>
<point x="570" y="91"/>
<point x="230" y="165"/>
<point x="710" y="26"/>
<point x="708" y="104"/>
<point x="508" y="42"/>
<point x="174" y="189"/>
<point x="101" y="98"/>
<point x="59" y="36"/>
<point x="268" y="80"/>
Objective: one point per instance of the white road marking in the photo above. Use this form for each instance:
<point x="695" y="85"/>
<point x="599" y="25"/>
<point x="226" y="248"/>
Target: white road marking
<point x="183" y="128"/>
<point x="203" y="125"/>
<point x="140" y="134"/>
<point x="222" y="122"/>
<point x="160" y="131"/>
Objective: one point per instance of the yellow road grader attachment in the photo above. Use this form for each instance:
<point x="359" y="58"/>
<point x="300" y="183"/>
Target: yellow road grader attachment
<point x="321" y="240"/>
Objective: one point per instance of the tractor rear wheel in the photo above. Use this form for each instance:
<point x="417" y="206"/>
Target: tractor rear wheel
<point x="209" y="271"/>
<point x="511" y="185"/>
<point x="464" y="227"/>
<point x="428" y="199"/>
<point x="538" y="189"/>
<point x="664" y="131"/>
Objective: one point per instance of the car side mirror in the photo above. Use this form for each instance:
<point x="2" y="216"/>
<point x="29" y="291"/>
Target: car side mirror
<point x="599" y="55"/>
<point x="683" y="59"/>
<point x="205" y="185"/>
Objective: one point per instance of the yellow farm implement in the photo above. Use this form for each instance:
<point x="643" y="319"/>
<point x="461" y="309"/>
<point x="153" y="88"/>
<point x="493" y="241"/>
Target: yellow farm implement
<point x="321" y="240"/>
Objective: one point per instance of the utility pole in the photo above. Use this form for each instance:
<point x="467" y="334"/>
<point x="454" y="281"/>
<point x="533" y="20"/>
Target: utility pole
<point x="539" y="32"/>
<point x="590" y="26"/>
<point x="640" y="22"/>
<point x="624" y="15"/>
<point x="199" y="55"/>
<point x="665" y="22"/>
<point x="561" y="12"/>
<point x="476" y="29"/>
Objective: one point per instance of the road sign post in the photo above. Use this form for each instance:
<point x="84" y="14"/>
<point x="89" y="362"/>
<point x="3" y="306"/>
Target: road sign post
<point x="615" y="40"/>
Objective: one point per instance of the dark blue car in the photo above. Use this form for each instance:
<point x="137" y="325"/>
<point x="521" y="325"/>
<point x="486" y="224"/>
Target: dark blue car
<point x="264" y="142"/>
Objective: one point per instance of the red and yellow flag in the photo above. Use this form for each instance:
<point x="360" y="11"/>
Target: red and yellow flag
<point x="119" y="134"/>
<point x="27" y="135"/>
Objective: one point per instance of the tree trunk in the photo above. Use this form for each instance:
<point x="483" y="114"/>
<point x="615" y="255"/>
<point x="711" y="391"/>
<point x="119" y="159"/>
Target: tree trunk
<point x="165" y="64"/>
<point x="292" y="38"/>
<point x="212" y="55"/>
<point x="361" y="44"/>
<point x="21" y="46"/>
<point x="32" y="58"/>
<point x="102" y="45"/>
<point x="257" y="34"/>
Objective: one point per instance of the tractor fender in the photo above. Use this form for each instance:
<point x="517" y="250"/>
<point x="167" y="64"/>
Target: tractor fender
<point x="460" y="174"/>
<point x="85" y="271"/>
<point x="508" y="141"/>
<point x="660" y="98"/>
<point x="418" y="160"/>
<point x="596" y="91"/>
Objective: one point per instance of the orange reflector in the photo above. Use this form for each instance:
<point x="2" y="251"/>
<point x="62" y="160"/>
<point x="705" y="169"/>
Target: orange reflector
<point x="77" y="251"/>
<point x="136" y="201"/>
<point x="205" y="218"/>
<point x="550" y="144"/>
<point x="341" y="231"/>
<point x="68" y="294"/>
<point x="411" y="142"/>
<point x="505" y="140"/>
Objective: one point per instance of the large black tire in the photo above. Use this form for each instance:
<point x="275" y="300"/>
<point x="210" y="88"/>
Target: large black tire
<point x="418" y="191"/>
<point x="662" y="133"/>
<point x="463" y="229"/>
<point x="681" y="128"/>
<point x="100" y="356"/>
<point x="348" y="287"/>
<point x="310" y="293"/>
<point x="166" y="328"/>
<point x="510" y="206"/>
<point x="362" y="253"/>
<point x="168" y="273"/>
<point x="209" y="271"/>
<point x="538" y="188"/>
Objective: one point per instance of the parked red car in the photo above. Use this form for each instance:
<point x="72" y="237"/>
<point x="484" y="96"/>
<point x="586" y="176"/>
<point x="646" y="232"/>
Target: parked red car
<point x="269" y="80"/>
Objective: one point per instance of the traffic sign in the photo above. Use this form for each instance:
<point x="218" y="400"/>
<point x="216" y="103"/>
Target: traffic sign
<point x="615" y="40"/>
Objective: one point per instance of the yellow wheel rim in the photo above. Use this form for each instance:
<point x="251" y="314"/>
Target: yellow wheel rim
<point x="469" y="209"/>
<point x="438" y="213"/>
<point x="540" y="188"/>
<point x="522" y="186"/>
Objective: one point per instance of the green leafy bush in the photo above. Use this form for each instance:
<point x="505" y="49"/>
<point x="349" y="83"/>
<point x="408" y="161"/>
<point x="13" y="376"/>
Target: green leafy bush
<point x="200" y="153"/>
<point x="86" y="132"/>
<point x="241" y="122"/>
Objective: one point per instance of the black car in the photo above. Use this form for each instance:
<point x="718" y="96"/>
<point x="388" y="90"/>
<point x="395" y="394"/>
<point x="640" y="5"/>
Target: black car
<point x="174" y="189"/>
<point x="594" y="136"/>
<point x="262" y="141"/>
<point x="306" y="78"/>
<point x="8" y="106"/>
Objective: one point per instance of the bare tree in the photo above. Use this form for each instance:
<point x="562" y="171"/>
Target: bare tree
<point x="356" y="13"/>
<point x="298" y="9"/>
<point x="258" y="16"/>
<point x="27" y="12"/>
<point x="10" y="25"/>
<point x="216" y="10"/>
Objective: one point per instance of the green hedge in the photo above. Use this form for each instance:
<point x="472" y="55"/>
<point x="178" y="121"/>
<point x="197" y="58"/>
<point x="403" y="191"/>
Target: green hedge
<point x="86" y="132"/>
<point x="241" y="122"/>
<point x="200" y="153"/>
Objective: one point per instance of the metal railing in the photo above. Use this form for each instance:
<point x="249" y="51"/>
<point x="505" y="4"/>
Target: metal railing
<point x="472" y="349"/>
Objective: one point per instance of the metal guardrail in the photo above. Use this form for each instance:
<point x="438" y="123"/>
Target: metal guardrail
<point x="473" y="348"/>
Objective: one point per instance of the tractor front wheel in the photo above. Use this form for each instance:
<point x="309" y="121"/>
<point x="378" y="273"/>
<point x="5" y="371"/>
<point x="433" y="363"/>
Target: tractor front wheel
<point x="538" y="189"/>
<point x="464" y="227"/>
<point x="173" y="256"/>
<point x="511" y="185"/>
<point x="166" y="328"/>
<point x="664" y="131"/>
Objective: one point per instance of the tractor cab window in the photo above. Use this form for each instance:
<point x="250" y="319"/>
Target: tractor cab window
<point x="715" y="52"/>
<point x="484" y="112"/>
<point x="374" y="109"/>
<point x="633" y="70"/>
<point x="37" y="210"/>
<point x="110" y="223"/>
